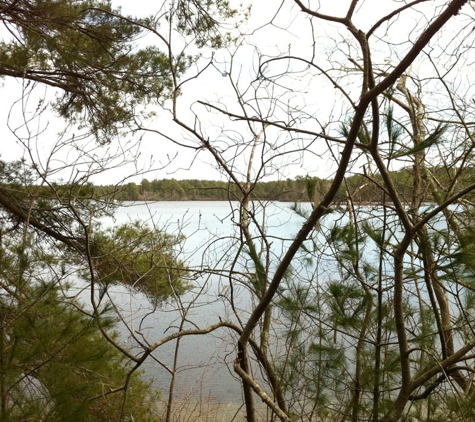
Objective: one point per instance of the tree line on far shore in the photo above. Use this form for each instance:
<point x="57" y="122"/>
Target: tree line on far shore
<point x="361" y="188"/>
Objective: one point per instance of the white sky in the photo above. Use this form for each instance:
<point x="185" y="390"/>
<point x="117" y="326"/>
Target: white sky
<point x="291" y="33"/>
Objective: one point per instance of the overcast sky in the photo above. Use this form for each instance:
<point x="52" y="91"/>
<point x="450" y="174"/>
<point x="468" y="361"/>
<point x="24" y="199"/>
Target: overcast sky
<point x="290" y="33"/>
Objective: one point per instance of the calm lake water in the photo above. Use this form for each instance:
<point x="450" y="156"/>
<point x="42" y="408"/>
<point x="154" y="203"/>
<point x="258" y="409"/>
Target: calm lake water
<point x="204" y="365"/>
<point x="204" y="362"/>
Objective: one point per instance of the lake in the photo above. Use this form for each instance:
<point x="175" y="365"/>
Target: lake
<point x="204" y="362"/>
<point x="204" y="370"/>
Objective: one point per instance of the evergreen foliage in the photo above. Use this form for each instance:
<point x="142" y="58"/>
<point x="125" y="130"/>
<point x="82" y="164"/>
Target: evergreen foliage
<point x="87" y="50"/>
<point x="55" y="364"/>
<point x="140" y="257"/>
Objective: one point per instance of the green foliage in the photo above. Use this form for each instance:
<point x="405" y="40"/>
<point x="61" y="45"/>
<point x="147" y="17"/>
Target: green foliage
<point x="198" y="18"/>
<point x="394" y="131"/>
<point x="55" y="364"/>
<point x="347" y="303"/>
<point x="346" y="242"/>
<point x="140" y="257"/>
<point x="312" y="362"/>
<point x="433" y="139"/>
<point x="193" y="189"/>
<point x="298" y="190"/>
<point x="363" y="136"/>
<point x="86" y="49"/>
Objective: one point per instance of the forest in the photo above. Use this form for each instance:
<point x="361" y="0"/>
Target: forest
<point x="301" y="189"/>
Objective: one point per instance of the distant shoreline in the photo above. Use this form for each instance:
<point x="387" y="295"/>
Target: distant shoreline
<point x="340" y="203"/>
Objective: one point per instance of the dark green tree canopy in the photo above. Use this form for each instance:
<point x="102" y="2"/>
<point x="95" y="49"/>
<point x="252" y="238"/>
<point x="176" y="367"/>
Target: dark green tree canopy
<point x="55" y="365"/>
<point x="87" y="50"/>
<point x="140" y="257"/>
